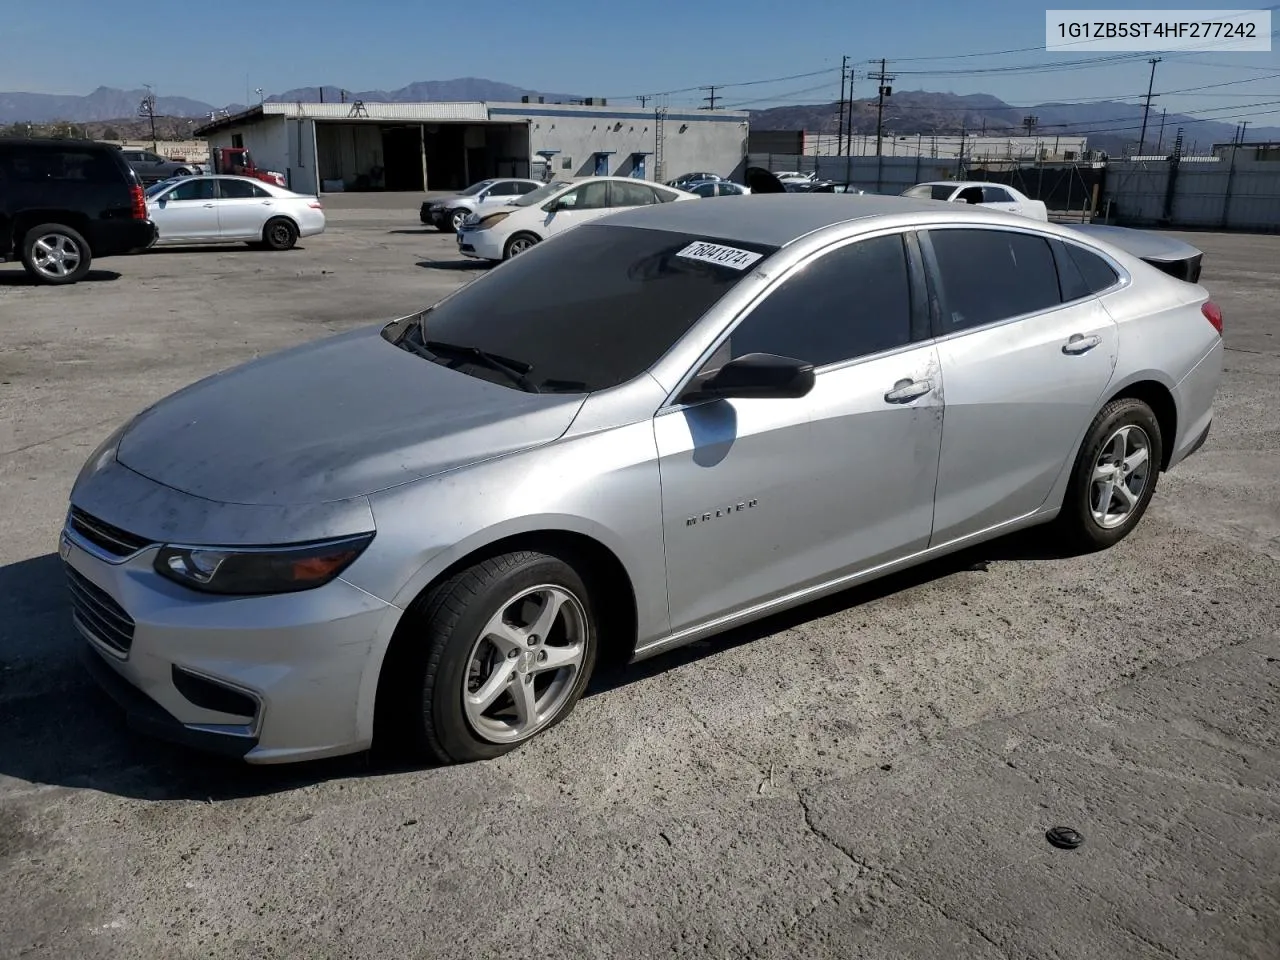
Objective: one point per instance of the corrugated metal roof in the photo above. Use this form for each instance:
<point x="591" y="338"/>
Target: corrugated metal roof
<point x="473" y="111"/>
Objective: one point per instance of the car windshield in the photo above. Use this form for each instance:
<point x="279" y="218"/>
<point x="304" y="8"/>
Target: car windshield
<point x="159" y="187"/>
<point x="593" y="308"/>
<point x="475" y="188"/>
<point x="542" y="194"/>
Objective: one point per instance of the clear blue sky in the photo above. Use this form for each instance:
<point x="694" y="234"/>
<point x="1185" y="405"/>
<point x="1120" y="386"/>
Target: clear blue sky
<point x="206" y="51"/>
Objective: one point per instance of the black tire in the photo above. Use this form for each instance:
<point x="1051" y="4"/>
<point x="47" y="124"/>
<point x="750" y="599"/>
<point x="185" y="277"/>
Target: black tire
<point x="280" y="233"/>
<point x="52" y="247"/>
<point x="518" y="244"/>
<point x="423" y="678"/>
<point x="1078" y="522"/>
<point x="454" y="218"/>
<point x="182" y="172"/>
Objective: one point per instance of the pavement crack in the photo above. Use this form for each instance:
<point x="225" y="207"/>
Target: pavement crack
<point x="865" y="869"/>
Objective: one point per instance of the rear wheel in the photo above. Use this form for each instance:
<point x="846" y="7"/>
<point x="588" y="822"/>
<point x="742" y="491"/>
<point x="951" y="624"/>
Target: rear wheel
<point x="1114" y="476"/>
<point x="492" y="656"/>
<point x="55" y="254"/>
<point x="279" y="234"/>
<point x="518" y="245"/>
<point x="182" y="172"/>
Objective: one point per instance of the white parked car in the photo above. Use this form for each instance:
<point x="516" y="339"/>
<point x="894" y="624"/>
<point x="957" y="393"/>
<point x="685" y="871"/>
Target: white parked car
<point x="554" y="208"/>
<point x="225" y="209"/>
<point x="997" y="196"/>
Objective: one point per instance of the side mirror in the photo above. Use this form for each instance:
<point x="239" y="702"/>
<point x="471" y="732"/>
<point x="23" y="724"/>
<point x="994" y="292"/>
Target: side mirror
<point x="762" y="376"/>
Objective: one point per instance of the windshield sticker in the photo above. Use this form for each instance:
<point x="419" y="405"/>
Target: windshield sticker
<point x="722" y="256"/>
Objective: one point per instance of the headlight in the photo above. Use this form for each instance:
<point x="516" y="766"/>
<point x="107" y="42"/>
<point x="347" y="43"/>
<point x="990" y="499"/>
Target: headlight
<point x="433" y="208"/>
<point x="484" y="223"/>
<point x="259" y="570"/>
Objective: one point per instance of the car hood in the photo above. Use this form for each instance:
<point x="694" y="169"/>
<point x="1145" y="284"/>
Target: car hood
<point x="331" y="420"/>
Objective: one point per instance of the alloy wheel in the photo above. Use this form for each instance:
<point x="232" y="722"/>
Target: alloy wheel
<point x="522" y="669"/>
<point x="55" y="255"/>
<point x="1120" y="476"/>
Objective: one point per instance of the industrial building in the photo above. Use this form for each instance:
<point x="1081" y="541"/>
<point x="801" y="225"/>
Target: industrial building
<point x="327" y="147"/>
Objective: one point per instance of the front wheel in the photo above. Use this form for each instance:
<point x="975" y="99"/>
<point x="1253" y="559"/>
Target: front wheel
<point x="493" y="656"/>
<point x="279" y="234"/>
<point x="457" y="218"/>
<point x="518" y="245"/>
<point x="1114" y="476"/>
<point x="55" y="254"/>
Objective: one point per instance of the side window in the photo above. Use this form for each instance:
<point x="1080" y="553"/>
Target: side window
<point x="630" y="195"/>
<point x="1097" y="273"/>
<point x="996" y="195"/>
<point x="64" y="166"/>
<point x="847" y="304"/>
<point x="152" y="157"/>
<point x="589" y="196"/>
<point x="191" y="190"/>
<point x="240" y="190"/>
<point x="704" y="190"/>
<point x="990" y="275"/>
<point x="524" y="187"/>
<point x="132" y="155"/>
<point x="664" y="196"/>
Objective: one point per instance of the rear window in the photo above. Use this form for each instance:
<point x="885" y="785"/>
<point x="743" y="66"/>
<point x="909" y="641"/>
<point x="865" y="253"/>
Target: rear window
<point x="66" y="166"/>
<point x="930" y="191"/>
<point x="592" y="308"/>
<point x="1097" y="273"/>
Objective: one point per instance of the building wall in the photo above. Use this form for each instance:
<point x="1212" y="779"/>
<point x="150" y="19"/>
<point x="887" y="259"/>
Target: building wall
<point x="715" y="143"/>
<point x="942" y="147"/>
<point x="267" y="140"/>
<point x="1224" y="196"/>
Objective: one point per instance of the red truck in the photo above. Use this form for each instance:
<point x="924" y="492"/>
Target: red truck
<point x="237" y="161"/>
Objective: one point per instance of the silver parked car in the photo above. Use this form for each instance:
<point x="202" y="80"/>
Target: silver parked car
<point x="226" y="209"/>
<point x="151" y="167"/>
<point x="643" y="431"/>
<point x="448" y="213"/>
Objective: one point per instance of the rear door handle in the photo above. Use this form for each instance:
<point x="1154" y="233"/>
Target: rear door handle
<point x="208" y="204"/>
<point x="1078" y="343"/>
<point x="906" y="390"/>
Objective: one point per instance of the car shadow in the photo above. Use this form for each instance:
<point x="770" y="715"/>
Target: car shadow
<point x="459" y="265"/>
<point x="19" y="278"/>
<point x="1035" y="544"/>
<point x="58" y="728"/>
<point x="236" y="246"/>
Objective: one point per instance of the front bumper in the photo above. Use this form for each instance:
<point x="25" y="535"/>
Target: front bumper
<point x="429" y="216"/>
<point x="290" y="666"/>
<point x="480" y="244"/>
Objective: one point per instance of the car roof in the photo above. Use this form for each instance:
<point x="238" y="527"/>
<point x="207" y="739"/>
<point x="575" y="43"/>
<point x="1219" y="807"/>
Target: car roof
<point x="777" y="219"/>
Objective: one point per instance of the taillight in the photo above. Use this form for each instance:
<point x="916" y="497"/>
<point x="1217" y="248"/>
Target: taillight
<point x="1212" y="314"/>
<point x="138" y="204"/>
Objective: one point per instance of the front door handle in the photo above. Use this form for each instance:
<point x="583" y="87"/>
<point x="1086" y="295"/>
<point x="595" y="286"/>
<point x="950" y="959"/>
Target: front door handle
<point x="906" y="390"/>
<point x="208" y="204"/>
<point x="1078" y="343"/>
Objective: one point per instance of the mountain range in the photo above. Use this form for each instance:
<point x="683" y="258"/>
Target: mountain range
<point x="1110" y="125"/>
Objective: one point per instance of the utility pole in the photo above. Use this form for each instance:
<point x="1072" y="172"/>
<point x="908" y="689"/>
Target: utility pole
<point x="1142" y="140"/>
<point x="644" y="98"/>
<point x="844" y="69"/>
<point x="882" y="79"/>
<point x="1243" y="130"/>
<point x="148" y="109"/>
<point x="848" y="124"/>
<point x="711" y="100"/>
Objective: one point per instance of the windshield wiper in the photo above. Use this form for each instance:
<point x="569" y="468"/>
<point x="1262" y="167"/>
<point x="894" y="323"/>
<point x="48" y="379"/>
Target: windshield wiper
<point x="515" y="370"/>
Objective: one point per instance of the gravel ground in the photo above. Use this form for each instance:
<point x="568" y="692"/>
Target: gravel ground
<point x="868" y="776"/>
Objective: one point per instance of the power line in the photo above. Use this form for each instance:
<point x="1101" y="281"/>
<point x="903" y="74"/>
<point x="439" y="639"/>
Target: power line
<point x="711" y="99"/>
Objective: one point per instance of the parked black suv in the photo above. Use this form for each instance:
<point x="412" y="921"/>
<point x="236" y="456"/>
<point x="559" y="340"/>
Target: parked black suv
<point x="65" y="202"/>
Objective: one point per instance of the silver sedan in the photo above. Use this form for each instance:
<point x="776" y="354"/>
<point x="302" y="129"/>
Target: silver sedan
<point x="227" y="209"/>
<point x="641" y="432"/>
